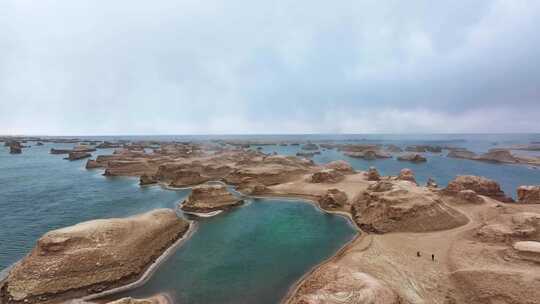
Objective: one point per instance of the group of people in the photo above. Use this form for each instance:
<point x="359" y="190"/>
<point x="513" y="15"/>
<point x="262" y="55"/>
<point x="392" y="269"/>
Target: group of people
<point x="419" y="255"/>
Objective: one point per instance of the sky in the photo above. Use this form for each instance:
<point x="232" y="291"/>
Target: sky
<point x="96" y="67"/>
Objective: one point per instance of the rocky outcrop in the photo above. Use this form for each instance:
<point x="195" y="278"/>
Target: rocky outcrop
<point x="461" y="153"/>
<point x="91" y="257"/>
<point x="60" y="151"/>
<point x="92" y="164"/>
<point x="528" y="194"/>
<point x="208" y="198"/>
<point x="333" y="199"/>
<point x="327" y="176"/>
<point x="373" y="174"/>
<point x="498" y="156"/>
<point x="147" y="180"/>
<point x="381" y="186"/>
<point x="267" y="173"/>
<point x="469" y="196"/>
<point x="79" y="148"/>
<point x="424" y="148"/>
<point x="184" y="178"/>
<point x="250" y="186"/>
<point x="341" y="285"/>
<point x="135" y="167"/>
<point x="431" y="183"/>
<point x="509" y="228"/>
<point x="368" y="154"/>
<point x="405" y="207"/>
<point x="78" y="155"/>
<point x="495" y="156"/>
<point x="480" y="185"/>
<point x="406" y="175"/>
<point x="340" y="166"/>
<point x="412" y="157"/>
<point x="15" y="147"/>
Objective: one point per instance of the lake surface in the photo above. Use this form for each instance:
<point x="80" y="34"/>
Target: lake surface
<point x="252" y="254"/>
<point x="249" y="255"/>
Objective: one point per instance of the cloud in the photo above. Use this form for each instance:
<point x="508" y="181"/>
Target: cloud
<point x="179" y="67"/>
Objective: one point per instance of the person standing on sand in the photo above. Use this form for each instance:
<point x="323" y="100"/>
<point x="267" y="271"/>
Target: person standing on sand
<point x="418" y="253"/>
<point x="433" y="257"/>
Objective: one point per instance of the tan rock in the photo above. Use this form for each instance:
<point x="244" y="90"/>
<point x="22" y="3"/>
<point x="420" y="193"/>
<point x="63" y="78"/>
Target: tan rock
<point x="528" y="194"/>
<point x="341" y="166"/>
<point x="210" y="197"/>
<point x="431" y="183"/>
<point x="75" y="155"/>
<point x="251" y="187"/>
<point x="369" y="154"/>
<point x="508" y="228"/>
<point x="406" y="175"/>
<point x="92" y="164"/>
<point x="333" y="198"/>
<point x="184" y="178"/>
<point x="92" y="256"/>
<point x="146" y="180"/>
<point x="327" y="176"/>
<point x="404" y="208"/>
<point x="412" y="157"/>
<point x="499" y="156"/>
<point x="134" y="167"/>
<point x="373" y="174"/>
<point x="461" y="153"/>
<point x="480" y="185"/>
<point x="381" y="186"/>
<point x="347" y="287"/>
<point x="469" y="196"/>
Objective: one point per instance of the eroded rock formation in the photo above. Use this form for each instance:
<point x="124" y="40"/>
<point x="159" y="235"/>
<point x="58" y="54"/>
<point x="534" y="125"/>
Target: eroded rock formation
<point x="78" y="155"/>
<point x="373" y="174"/>
<point x="334" y="198"/>
<point x="91" y="257"/>
<point x="403" y="207"/>
<point x="327" y="176"/>
<point x="478" y="184"/>
<point x="412" y="157"/>
<point x="528" y="194"/>
<point x="406" y="174"/>
<point x="210" y="197"/>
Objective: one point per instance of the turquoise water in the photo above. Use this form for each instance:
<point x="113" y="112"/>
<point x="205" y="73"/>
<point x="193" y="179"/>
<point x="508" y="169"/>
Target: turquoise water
<point x="250" y="255"/>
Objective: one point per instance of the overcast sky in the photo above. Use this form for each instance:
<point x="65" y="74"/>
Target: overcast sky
<point x="241" y="66"/>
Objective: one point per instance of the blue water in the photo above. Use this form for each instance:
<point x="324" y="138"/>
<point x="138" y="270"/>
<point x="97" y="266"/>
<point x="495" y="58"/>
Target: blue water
<point x="40" y="192"/>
